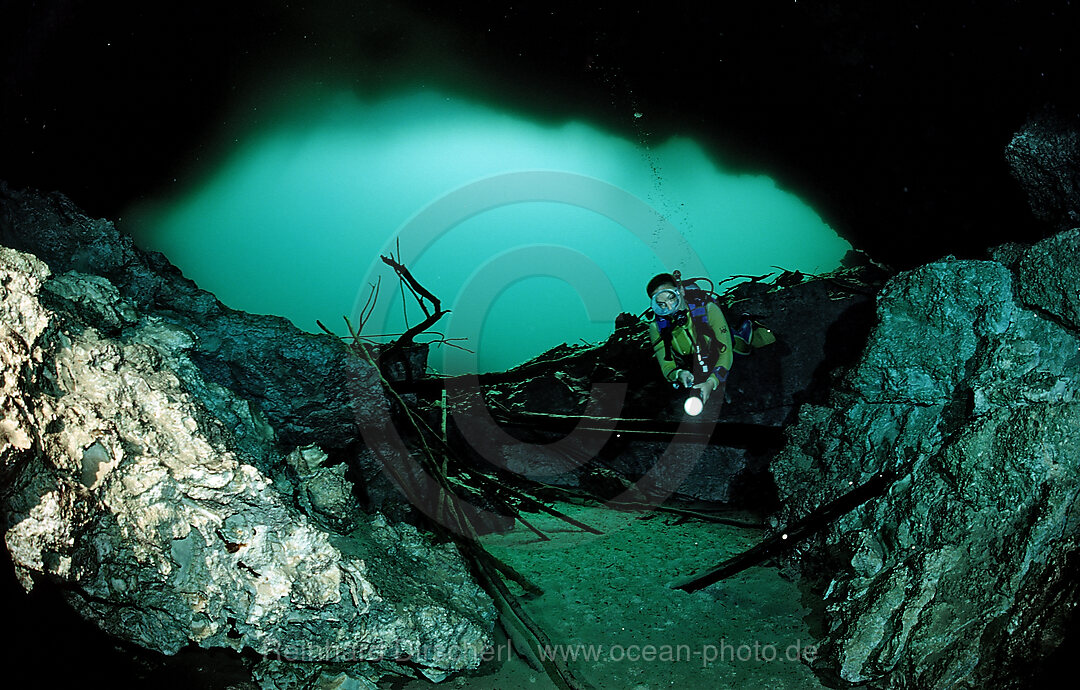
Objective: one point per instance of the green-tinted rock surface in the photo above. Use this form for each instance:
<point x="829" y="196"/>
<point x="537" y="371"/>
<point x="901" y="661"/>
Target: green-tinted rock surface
<point x="970" y="389"/>
<point x="167" y="506"/>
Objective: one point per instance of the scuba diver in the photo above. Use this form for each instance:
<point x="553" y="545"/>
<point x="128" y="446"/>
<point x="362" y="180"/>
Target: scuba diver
<point x="691" y="339"/>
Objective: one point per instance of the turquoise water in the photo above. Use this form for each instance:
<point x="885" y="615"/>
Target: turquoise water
<point x="532" y="234"/>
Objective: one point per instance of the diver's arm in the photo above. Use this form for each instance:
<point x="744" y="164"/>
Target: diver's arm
<point x="668" y="368"/>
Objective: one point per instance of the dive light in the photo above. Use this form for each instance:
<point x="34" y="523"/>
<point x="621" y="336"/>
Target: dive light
<point x="693" y="404"/>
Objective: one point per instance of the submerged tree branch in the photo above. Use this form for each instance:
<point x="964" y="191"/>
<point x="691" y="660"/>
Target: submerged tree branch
<point x="529" y="638"/>
<point x="786" y="538"/>
<point x="423" y="296"/>
<point x="429" y="304"/>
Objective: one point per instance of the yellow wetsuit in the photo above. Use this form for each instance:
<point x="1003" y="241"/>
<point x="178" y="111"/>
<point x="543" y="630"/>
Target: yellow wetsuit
<point x="715" y="347"/>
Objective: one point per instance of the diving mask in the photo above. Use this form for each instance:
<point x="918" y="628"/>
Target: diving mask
<point x="665" y="302"/>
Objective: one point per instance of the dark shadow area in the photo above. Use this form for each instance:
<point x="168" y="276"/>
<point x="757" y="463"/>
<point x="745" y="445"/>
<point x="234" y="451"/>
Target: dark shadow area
<point x="1062" y="631"/>
<point x="48" y="643"/>
<point x="845" y="340"/>
<point x="889" y="121"/>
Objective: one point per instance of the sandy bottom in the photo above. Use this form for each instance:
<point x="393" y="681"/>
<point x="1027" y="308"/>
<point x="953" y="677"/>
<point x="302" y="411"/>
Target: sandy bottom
<point x="609" y="612"/>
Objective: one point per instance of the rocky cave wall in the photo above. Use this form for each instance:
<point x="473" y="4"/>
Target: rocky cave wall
<point x="158" y="465"/>
<point x="963" y="573"/>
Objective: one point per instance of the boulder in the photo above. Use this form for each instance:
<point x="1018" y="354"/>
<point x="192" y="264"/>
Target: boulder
<point x="1044" y="157"/>
<point x="147" y="471"/>
<point x="960" y="573"/>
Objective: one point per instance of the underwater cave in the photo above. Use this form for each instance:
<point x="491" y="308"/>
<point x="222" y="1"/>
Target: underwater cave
<point x="410" y="345"/>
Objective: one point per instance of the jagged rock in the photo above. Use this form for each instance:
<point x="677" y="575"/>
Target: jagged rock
<point x="1053" y="287"/>
<point x="310" y="387"/>
<point x="134" y="478"/>
<point x="1044" y="158"/>
<point x="280" y="675"/>
<point x="969" y="389"/>
<point x="323" y="491"/>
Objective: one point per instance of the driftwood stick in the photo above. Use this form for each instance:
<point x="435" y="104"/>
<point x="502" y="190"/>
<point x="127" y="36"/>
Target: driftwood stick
<point x="538" y="533"/>
<point x="352" y="331"/>
<point x="526" y="632"/>
<point x="537" y="506"/>
<point x="510" y="572"/>
<point x="529" y="638"/>
<point x="369" y="305"/>
<point x="407" y="276"/>
<point x="325" y="329"/>
<point x="562" y="516"/>
<point x="797" y="531"/>
<point x="752" y="279"/>
<point x="579" y="496"/>
<point x="432" y="314"/>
